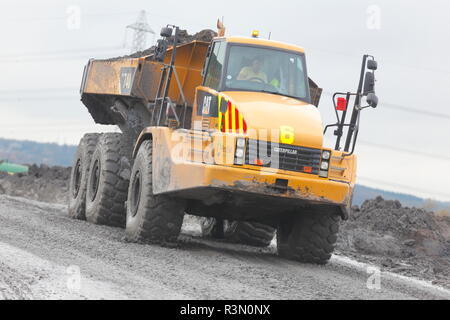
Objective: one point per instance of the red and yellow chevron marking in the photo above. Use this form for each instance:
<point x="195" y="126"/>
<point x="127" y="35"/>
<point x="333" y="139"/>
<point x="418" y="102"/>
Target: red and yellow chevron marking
<point x="232" y="120"/>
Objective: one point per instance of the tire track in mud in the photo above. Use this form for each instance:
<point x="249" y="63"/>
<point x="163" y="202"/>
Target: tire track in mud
<point x="13" y="285"/>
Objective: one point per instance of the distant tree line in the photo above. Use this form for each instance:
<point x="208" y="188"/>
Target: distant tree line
<point x="30" y="152"/>
<point x="53" y="154"/>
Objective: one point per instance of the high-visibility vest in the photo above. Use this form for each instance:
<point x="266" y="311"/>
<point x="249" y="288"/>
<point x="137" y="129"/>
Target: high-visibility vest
<point x="275" y="82"/>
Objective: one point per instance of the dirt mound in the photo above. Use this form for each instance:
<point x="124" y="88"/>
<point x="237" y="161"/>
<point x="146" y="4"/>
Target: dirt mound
<point x="42" y="183"/>
<point x="184" y="37"/>
<point x="409" y="240"/>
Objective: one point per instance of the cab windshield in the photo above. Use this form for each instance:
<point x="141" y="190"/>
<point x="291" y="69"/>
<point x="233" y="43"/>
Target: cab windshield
<point x="267" y="70"/>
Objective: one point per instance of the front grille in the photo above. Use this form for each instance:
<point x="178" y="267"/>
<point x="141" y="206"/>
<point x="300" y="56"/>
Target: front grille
<point x="283" y="156"/>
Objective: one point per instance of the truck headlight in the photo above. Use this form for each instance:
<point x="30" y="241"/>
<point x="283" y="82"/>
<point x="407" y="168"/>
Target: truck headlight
<point x="324" y="165"/>
<point x="240" y="151"/>
<point x="326" y="155"/>
<point x="240" y="143"/>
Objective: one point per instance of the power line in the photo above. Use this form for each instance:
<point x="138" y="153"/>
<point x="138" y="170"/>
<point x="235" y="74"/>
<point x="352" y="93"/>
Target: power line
<point x="397" y="185"/>
<point x="64" y="58"/>
<point x="39" y="98"/>
<point x="414" y="110"/>
<point x="73" y="89"/>
<point x="406" y="109"/>
<point x="363" y="142"/>
<point x="67" y="56"/>
<point x="57" y="52"/>
<point x="388" y="61"/>
<point x="125" y="13"/>
<point x="55" y="124"/>
<point x="401" y="108"/>
<point x="56" y="18"/>
<point x="403" y="150"/>
<point x="141" y="29"/>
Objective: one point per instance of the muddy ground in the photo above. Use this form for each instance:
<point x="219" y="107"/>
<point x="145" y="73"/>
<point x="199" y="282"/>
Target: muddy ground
<point x="46" y="255"/>
<point x="408" y="241"/>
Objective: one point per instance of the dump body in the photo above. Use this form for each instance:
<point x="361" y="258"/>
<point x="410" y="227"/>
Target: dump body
<point x="138" y="78"/>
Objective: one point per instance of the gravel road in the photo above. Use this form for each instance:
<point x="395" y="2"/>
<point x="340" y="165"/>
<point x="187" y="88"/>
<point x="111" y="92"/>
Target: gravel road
<point x="46" y="255"/>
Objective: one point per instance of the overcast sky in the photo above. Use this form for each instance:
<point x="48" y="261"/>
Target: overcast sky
<point x="404" y="144"/>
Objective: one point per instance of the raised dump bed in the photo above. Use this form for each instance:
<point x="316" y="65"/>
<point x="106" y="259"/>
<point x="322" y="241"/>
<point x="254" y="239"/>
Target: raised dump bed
<point x="136" y="80"/>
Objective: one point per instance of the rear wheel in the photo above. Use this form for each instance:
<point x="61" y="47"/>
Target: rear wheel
<point x="150" y="218"/>
<point x="212" y="227"/>
<point x="108" y="181"/>
<point x="243" y="232"/>
<point x="80" y="174"/>
<point x="250" y="233"/>
<point x="309" y="237"/>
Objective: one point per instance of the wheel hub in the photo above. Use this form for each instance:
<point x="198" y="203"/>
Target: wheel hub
<point x="135" y="193"/>
<point x="76" y="179"/>
<point x="95" y="179"/>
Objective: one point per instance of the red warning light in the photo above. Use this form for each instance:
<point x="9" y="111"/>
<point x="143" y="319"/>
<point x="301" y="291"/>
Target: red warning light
<point x="307" y="169"/>
<point x="259" y="162"/>
<point x="341" y="104"/>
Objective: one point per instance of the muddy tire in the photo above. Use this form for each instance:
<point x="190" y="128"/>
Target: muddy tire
<point x="150" y="218"/>
<point x="80" y="174"/>
<point x="108" y="181"/>
<point x="211" y="228"/>
<point x="249" y="233"/>
<point x="309" y="237"/>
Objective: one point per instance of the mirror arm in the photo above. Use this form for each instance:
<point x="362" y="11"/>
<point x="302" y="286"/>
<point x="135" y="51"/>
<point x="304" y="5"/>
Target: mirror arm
<point x="335" y="125"/>
<point x="355" y="138"/>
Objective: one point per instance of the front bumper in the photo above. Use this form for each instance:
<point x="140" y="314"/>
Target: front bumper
<point x="314" y="189"/>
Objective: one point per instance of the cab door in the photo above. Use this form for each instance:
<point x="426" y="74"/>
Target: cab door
<point x="206" y="106"/>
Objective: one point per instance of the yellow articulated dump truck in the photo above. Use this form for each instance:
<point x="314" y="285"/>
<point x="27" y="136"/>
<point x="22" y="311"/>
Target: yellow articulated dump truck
<point x="227" y="130"/>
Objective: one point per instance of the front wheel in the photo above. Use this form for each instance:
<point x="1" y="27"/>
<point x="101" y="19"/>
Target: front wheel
<point x="150" y="218"/>
<point x="308" y="237"/>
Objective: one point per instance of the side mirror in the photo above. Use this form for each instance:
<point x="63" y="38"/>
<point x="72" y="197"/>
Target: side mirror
<point x="369" y="83"/>
<point x="166" y="32"/>
<point x="372" y="100"/>
<point x="372" y="65"/>
<point x="160" y="50"/>
<point x="208" y="55"/>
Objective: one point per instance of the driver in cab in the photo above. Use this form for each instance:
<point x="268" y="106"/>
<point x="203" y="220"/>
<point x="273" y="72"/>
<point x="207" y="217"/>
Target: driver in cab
<point x="253" y="72"/>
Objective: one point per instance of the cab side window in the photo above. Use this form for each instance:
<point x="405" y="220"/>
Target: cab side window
<point x="214" y="71"/>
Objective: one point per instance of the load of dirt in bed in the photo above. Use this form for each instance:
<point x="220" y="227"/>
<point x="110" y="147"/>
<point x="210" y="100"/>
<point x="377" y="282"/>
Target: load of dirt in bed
<point x="183" y="37"/>
<point x="412" y="241"/>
